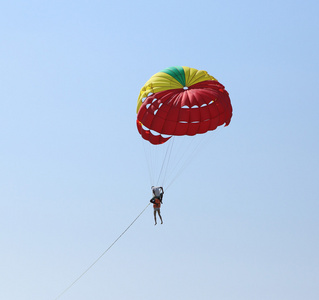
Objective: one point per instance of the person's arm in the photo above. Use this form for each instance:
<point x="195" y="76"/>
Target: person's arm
<point x="162" y="193"/>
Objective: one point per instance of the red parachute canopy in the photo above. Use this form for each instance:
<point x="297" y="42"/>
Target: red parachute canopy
<point x="181" y="101"/>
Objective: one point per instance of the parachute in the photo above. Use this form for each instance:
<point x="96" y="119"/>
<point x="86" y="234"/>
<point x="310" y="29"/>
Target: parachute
<point x="178" y="102"/>
<point x="181" y="101"/>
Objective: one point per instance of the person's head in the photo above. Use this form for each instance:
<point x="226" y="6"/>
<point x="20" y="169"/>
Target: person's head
<point x="152" y="186"/>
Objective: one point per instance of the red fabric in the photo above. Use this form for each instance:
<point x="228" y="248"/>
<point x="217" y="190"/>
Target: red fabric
<point x="157" y="203"/>
<point x="172" y="112"/>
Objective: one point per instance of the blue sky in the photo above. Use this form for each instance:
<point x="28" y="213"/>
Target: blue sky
<point x="241" y="222"/>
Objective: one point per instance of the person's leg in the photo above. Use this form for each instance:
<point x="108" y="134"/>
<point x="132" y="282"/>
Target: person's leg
<point x="159" y="214"/>
<point x="155" y="217"/>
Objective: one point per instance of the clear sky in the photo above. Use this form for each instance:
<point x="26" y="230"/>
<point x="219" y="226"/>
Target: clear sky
<point x="241" y="222"/>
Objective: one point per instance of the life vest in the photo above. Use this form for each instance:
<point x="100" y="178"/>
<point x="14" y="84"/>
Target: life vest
<point x="157" y="203"/>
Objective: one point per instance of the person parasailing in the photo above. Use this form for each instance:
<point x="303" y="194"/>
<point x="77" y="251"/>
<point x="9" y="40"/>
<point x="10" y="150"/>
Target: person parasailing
<point x="157" y="198"/>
